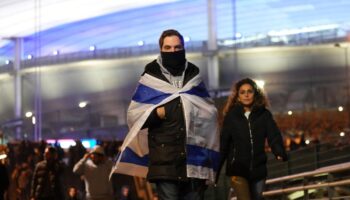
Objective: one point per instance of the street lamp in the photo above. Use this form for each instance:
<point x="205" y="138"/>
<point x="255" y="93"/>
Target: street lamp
<point x="346" y="47"/>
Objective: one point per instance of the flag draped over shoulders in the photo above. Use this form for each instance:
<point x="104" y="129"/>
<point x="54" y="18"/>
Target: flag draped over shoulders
<point x="202" y="135"/>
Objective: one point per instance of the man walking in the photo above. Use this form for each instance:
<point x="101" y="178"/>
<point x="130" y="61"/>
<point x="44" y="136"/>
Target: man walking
<point x="173" y="138"/>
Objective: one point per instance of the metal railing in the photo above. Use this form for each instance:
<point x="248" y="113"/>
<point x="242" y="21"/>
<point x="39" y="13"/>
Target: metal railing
<point x="311" y="157"/>
<point x="315" y="171"/>
<point x="286" y="183"/>
<point x="318" y="171"/>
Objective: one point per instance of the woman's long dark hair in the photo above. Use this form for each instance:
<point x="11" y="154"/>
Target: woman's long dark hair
<point x="259" y="97"/>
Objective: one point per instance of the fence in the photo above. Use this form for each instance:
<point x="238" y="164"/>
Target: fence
<point x="314" y="172"/>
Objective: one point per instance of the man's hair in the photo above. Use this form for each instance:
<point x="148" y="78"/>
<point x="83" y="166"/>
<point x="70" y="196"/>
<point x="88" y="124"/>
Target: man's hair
<point x="170" y="32"/>
<point x="51" y="150"/>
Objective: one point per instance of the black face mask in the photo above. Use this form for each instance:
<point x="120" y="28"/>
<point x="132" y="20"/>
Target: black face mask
<point x="174" y="62"/>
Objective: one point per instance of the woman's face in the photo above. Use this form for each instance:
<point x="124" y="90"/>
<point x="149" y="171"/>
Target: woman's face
<point x="72" y="192"/>
<point x="246" y="95"/>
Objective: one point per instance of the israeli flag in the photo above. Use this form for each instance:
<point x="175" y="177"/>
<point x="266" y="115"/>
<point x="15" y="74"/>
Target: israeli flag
<point x="202" y="140"/>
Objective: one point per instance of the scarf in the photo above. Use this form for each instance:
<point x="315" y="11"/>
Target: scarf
<point x="202" y="146"/>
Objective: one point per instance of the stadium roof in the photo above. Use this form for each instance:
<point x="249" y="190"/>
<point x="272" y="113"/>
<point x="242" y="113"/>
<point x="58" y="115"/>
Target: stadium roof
<point x="75" y="25"/>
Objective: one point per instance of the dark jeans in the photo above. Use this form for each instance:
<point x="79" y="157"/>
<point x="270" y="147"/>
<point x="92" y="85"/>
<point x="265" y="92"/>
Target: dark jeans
<point x="2" y="195"/>
<point x="256" y="189"/>
<point x="193" y="189"/>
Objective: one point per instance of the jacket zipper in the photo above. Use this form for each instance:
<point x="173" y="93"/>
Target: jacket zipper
<point x="184" y="120"/>
<point x="234" y="155"/>
<point x="251" y="145"/>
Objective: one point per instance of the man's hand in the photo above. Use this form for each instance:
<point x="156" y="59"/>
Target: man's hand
<point x="161" y="112"/>
<point x="87" y="155"/>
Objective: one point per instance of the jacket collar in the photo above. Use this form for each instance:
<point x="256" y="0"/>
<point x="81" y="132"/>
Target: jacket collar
<point x="238" y="109"/>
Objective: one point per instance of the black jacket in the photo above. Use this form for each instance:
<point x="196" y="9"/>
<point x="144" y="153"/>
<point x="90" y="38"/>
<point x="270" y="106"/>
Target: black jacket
<point x="4" y="179"/>
<point x="47" y="181"/>
<point x="167" y="137"/>
<point x="243" y="142"/>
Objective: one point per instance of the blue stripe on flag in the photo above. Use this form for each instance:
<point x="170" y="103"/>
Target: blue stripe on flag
<point x="200" y="156"/>
<point x="200" y="90"/>
<point x="129" y="156"/>
<point x="147" y="95"/>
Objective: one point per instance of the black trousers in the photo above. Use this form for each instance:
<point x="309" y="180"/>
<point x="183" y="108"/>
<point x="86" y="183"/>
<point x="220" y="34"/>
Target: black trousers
<point x="193" y="189"/>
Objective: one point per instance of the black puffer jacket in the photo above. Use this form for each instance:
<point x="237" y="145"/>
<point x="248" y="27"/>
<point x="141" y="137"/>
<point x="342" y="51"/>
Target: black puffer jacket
<point x="47" y="181"/>
<point x="243" y="142"/>
<point x="167" y="137"/>
<point x="4" y="180"/>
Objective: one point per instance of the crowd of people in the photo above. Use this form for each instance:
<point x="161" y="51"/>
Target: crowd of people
<point x="316" y="126"/>
<point x="46" y="171"/>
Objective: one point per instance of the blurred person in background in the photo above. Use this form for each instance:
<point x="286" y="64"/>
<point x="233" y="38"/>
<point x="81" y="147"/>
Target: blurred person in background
<point x="124" y="193"/>
<point x="95" y="168"/>
<point x="47" y="183"/>
<point x="4" y="176"/>
<point x="246" y="124"/>
<point x="73" y="194"/>
<point x="37" y="157"/>
<point x="21" y="177"/>
<point x="25" y="150"/>
<point x="76" y="152"/>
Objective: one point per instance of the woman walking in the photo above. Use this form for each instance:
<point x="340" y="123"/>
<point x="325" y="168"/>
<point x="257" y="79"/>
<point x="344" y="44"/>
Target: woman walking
<point x="246" y="124"/>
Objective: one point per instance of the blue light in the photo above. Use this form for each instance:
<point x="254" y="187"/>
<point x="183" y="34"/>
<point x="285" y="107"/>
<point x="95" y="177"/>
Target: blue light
<point x="89" y="143"/>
